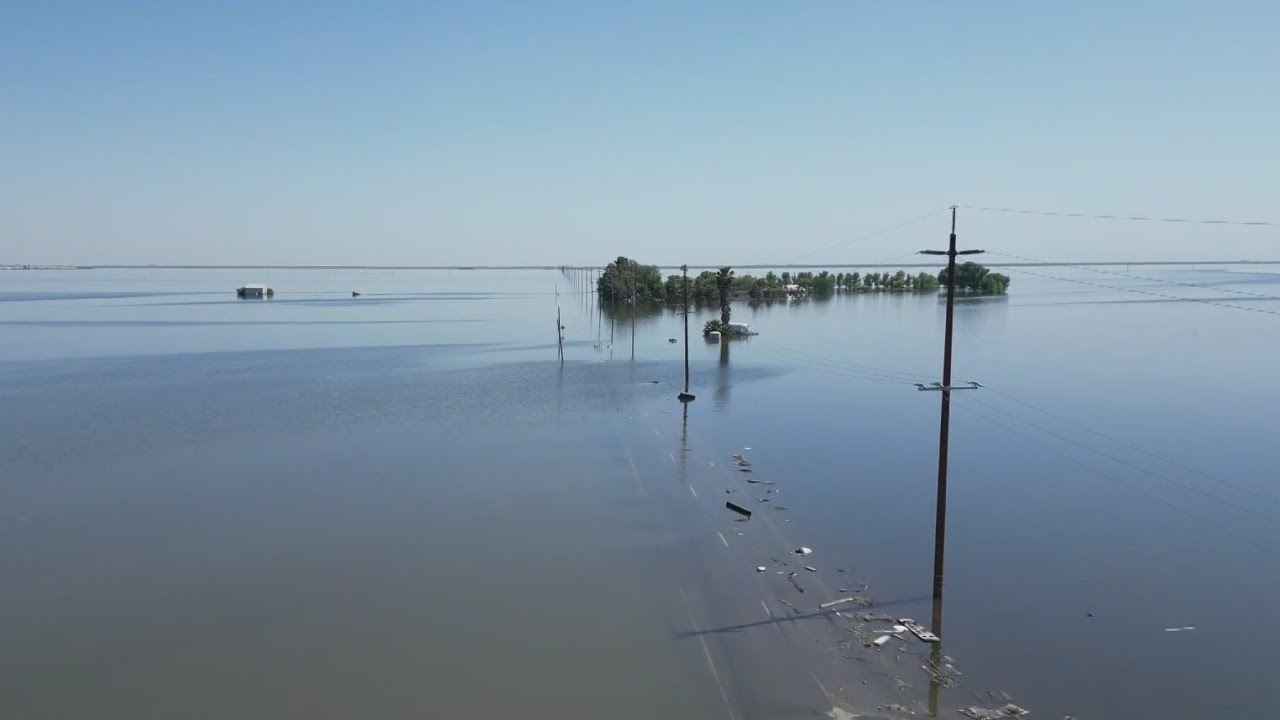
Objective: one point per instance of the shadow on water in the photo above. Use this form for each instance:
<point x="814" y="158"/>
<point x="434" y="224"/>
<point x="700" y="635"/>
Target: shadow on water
<point x="729" y="629"/>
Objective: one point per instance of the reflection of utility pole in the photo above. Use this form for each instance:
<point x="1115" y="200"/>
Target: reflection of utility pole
<point x="686" y="396"/>
<point x="940" y="521"/>
<point x="684" y="441"/>
<point x="935" y="651"/>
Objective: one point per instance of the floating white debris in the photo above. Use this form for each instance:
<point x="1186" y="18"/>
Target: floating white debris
<point x="1179" y="629"/>
<point x="802" y="550"/>
<point x="880" y="641"/>
<point x="761" y="568"/>
<point x="834" y="603"/>
<point x="810" y="568"/>
<point x="918" y="630"/>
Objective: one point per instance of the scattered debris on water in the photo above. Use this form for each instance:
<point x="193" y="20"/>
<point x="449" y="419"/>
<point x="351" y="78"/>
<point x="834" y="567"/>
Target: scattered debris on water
<point x="761" y="568"/>
<point x="810" y="568"/>
<point x="944" y="674"/>
<point x="1179" y="629"/>
<point x="918" y="630"/>
<point x="802" y="550"/>
<point x="737" y="508"/>
<point x="834" y="603"/>
<point x="1001" y="713"/>
<point x="875" y="617"/>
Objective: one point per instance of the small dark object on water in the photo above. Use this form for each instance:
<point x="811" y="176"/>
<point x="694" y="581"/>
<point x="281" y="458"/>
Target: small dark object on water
<point x="686" y="397"/>
<point x="737" y="508"/>
<point x="671" y="340"/>
<point x="1090" y="614"/>
<point x="355" y="294"/>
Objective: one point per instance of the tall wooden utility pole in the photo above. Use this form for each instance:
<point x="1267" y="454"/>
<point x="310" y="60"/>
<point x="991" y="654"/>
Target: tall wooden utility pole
<point x="686" y="396"/>
<point x="944" y="429"/>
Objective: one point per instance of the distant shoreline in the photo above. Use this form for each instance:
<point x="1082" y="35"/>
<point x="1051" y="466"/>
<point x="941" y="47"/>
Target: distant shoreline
<point x="782" y="266"/>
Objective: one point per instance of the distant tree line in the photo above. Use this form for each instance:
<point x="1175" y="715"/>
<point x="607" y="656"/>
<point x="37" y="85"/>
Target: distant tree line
<point x="625" y="280"/>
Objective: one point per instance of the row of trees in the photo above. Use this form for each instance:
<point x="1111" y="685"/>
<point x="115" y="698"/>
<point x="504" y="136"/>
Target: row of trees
<point x="877" y="282"/>
<point x="624" y="280"/>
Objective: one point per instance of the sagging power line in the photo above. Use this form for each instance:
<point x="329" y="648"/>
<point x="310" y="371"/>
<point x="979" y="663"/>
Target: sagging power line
<point x="1131" y="218"/>
<point x="1131" y="276"/>
<point x="868" y="236"/>
<point x="1161" y="295"/>
<point x="1119" y="481"/>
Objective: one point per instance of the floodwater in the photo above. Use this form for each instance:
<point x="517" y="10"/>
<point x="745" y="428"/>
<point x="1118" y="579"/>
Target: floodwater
<point x="402" y="505"/>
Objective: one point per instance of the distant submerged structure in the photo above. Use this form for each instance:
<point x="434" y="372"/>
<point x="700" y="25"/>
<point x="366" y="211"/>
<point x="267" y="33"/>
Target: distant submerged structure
<point x="255" y="292"/>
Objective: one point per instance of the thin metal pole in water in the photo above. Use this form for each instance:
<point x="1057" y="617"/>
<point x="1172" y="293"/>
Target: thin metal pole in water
<point x="686" y="396"/>
<point x="944" y="424"/>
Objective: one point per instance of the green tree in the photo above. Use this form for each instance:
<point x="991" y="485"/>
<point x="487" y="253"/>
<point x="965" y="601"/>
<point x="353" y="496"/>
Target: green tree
<point x="724" y="282"/>
<point x="624" y="280"/>
<point x="926" y="282"/>
<point x="771" y="279"/>
<point x="855" y="281"/>
<point x="974" y="278"/>
<point x="786" y="277"/>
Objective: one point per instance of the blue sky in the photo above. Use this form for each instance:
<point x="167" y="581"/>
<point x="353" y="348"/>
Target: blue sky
<point x="706" y="132"/>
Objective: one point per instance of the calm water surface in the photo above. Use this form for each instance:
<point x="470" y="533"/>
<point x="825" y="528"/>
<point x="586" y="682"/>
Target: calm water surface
<point x="401" y="505"/>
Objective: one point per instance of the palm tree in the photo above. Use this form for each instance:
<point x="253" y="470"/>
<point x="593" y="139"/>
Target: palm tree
<point x="724" y="282"/>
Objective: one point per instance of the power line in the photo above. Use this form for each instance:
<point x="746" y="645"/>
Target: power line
<point x="842" y="372"/>
<point x="1137" y="218"/>
<point x="1144" y="292"/>
<point x="1122" y="461"/>
<point x="1049" y="448"/>
<point x="1213" y="288"/>
<point x="905" y="376"/>
<point x="1135" y="448"/>
<point x="867" y="236"/>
